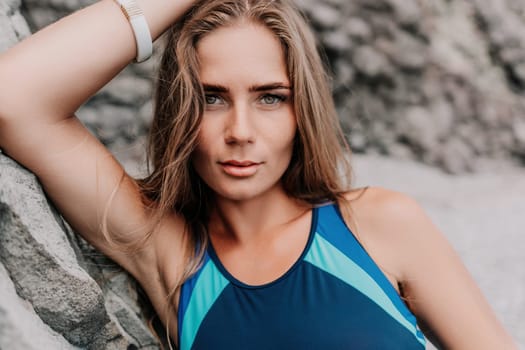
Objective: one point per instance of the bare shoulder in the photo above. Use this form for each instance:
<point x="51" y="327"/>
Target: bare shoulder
<point x="383" y="201"/>
<point x="399" y="224"/>
<point x="396" y="231"/>
<point x="391" y="226"/>
<point x="405" y="243"/>
<point x="390" y="213"/>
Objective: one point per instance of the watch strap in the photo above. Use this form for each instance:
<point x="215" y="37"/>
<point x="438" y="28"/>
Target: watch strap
<point x="140" y="28"/>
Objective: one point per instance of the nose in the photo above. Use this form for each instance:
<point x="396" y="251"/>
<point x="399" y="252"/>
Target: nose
<point x="239" y="126"/>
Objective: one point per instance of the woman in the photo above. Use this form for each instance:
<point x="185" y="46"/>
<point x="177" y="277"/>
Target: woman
<point x="244" y="235"/>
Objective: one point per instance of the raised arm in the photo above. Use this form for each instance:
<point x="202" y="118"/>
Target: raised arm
<point x="60" y="67"/>
<point x="43" y="81"/>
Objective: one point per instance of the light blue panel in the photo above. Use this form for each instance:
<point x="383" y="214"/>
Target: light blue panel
<point x="326" y="257"/>
<point x="209" y="286"/>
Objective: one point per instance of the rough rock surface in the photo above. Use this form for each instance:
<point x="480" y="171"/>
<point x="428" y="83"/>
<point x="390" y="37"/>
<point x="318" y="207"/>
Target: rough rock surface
<point x="442" y="82"/>
<point x="20" y="327"/>
<point x="438" y="81"/>
<point x="47" y="265"/>
<point x="13" y="26"/>
<point x="36" y="253"/>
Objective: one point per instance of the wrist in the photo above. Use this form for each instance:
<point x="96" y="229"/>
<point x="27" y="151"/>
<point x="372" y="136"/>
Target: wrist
<point x="139" y="26"/>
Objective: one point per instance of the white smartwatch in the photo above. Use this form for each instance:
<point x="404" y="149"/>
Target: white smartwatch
<point x="140" y="28"/>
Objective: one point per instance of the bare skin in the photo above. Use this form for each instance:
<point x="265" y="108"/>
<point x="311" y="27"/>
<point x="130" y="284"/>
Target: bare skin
<point x="245" y="145"/>
<point x="253" y="218"/>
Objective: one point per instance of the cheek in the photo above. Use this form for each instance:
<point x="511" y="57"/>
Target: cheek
<point x="205" y="138"/>
<point x="291" y="136"/>
<point x="285" y="134"/>
<point x="202" y="154"/>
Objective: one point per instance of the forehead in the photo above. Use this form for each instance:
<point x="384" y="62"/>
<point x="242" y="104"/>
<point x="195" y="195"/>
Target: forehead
<point x="241" y="53"/>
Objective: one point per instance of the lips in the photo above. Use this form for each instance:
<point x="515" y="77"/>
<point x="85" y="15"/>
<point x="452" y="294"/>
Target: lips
<point x="240" y="168"/>
<point x="241" y="163"/>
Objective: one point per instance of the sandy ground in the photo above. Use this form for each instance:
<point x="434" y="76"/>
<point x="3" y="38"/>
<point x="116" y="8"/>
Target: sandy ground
<point x="482" y="215"/>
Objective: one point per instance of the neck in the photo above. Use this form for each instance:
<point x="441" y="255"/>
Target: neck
<point x="249" y="220"/>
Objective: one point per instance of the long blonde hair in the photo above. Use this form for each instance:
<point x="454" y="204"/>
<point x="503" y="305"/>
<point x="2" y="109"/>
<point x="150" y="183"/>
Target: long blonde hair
<point x="320" y="154"/>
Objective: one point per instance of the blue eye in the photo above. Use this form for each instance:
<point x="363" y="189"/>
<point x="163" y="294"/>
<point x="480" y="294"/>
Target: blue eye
<point x="271" y="99"/>
<point x="212" y="99"/>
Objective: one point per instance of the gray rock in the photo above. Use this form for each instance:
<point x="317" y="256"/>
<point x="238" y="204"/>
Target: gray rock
<point x="39" y="17"/>
<point x="20" y="26"/>
<point x="9" y="6"/>
<point x="519" y="132"/>
<point x="357" y="141"/>
<point x="519" y="71"/>
<point x="42" y="13"/>
<point x="381" y="144"/>
<point x="111" y="338"/>
<point x="70" y="5"/>
<point x="358" y="29"/>
<point x="416" y="125"/>
<point x="128" y="327"/>
<point x="400" y="151"/>
<point x="337" y="40"/>
<point x="8" y="37"/>
<point x="442" y="118"/>
<point x="344" y="74"/>
<point x="40" y="261"/>
<point x="406" y="51"/>
<point x="20" y="326"/>
<point x="504" y="27"/>
<point x="494" y="113"/>
<point x="371" y="62"/>
<point x="325" y="16"/>
<point x="461" y="98"/>
<point x="473" y="136"/>
<point x="456" y="157"/>
<point x="112" y="123"/>
<point x="13" y="27"/>
<point x="127" y="90"/>
<point x="407" y="12"/>
<point x="133" y="327"/>
<point x="146" y="113"/>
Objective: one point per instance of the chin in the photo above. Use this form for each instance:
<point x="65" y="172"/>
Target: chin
<point x="245" y="192"/>
<point x="238" y="195"/>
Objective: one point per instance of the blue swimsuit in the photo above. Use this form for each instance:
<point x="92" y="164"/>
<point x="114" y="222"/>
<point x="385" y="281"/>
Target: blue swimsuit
<point x="333" y="297"/>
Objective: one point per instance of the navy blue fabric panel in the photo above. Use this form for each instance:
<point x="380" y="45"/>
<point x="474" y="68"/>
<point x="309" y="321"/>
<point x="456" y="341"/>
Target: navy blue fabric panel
<point x="310" y="309"/>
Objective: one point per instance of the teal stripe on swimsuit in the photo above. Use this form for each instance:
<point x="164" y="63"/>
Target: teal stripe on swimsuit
<point x="328" y="258"/>
<point x="209" y="286"/>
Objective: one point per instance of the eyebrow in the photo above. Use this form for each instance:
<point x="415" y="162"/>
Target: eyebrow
<point x="253" y="88"/>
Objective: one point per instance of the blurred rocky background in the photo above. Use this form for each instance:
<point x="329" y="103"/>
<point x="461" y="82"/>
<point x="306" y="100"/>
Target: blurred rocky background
<point x="439" y="81"/>
<point x="436" y="81"/>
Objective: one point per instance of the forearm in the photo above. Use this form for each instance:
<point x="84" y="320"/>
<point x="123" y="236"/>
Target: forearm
<point x="51" y="73"/>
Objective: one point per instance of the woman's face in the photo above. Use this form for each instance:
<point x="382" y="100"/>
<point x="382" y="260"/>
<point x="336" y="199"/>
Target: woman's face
<point x="248" y="127"/>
